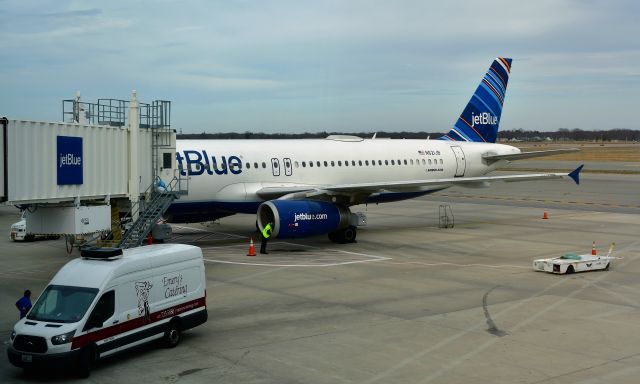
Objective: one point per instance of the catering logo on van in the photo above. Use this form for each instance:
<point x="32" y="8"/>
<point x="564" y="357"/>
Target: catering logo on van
<point x="142" y="291"/>
<point x="69" y="160"/>
<point x="173" y="286"/>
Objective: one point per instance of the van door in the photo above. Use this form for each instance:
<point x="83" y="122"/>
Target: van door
<point x="103" y="320"/>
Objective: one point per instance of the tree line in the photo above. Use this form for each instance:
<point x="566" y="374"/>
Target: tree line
<point x="562" y="134"/>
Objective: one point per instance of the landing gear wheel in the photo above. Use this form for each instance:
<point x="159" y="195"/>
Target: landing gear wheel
<point x="344" y="236"/>
<point x="172" y="335"/>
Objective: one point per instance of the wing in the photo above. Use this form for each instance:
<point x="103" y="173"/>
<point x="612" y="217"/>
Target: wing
<point x="366" y="189"/>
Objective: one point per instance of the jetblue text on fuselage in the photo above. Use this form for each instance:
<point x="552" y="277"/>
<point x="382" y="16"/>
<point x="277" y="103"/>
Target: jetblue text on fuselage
<point x="198" y="162"/>
<point x="483" y="118"/>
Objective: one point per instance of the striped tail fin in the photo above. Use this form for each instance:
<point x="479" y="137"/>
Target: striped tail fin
<point x="480" y="119"/>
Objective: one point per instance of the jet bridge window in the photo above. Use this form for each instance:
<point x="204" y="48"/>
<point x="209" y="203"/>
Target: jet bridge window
<point x="166" y="160"/>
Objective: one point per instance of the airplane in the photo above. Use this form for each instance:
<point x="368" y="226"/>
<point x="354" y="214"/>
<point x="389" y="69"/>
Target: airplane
<point x="306" y="187"/>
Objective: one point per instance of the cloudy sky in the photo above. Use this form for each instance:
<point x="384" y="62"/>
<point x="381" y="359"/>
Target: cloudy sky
<point x="308" y="66"/>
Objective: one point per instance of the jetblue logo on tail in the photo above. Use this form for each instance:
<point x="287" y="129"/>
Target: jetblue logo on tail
<point x="480" y="119"/>
<point x="483" y="118"/>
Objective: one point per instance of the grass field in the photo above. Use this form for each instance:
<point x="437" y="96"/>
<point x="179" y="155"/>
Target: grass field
<point x="588" y="151"/>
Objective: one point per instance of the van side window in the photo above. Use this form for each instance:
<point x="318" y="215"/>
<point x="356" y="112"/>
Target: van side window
<point x="103" y="310"/>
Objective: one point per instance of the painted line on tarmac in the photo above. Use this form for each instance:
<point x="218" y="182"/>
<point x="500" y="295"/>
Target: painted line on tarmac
<point x="445" y="264"/>
<point x="372" y="258"/>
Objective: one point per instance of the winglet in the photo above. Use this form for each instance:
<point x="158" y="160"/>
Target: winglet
<point x="575" y="174"/>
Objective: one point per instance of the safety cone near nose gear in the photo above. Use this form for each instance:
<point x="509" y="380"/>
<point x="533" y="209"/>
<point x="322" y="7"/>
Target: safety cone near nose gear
<point x="149" y="239"/>
<point x="252" y="250"/>
<point x="545" y="215"/>
<point x="593" y="249"/>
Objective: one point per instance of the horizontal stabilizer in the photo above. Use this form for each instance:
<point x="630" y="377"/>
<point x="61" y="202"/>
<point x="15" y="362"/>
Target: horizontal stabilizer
<point x="528" y="155"/>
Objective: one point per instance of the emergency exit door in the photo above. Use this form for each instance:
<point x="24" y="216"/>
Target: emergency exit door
<point x="461" y="164"/>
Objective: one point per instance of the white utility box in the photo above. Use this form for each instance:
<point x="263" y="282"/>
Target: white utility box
<point x="69" y="220"/>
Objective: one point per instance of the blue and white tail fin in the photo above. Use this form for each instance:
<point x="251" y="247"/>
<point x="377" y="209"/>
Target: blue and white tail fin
<point x="480" y="119"/>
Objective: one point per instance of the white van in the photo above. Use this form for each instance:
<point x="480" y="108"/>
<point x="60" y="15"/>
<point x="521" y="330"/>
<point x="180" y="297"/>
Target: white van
<point x="108" y="301"/>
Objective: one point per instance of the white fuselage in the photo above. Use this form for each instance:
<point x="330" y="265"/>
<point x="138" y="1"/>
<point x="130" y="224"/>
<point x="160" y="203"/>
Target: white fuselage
<point x="232" y="171"/>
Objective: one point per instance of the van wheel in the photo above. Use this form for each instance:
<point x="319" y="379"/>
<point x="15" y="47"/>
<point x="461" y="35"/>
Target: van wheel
<point x="88" y="357"/>
<point x="172" y="335"/>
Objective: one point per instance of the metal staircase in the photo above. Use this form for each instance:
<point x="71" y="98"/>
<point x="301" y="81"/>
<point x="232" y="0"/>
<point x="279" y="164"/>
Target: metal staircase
<point x="149" y="211"/>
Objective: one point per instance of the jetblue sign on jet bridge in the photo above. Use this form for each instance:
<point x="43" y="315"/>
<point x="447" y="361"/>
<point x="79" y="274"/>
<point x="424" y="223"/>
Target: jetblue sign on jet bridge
<point x="69" y="160"/>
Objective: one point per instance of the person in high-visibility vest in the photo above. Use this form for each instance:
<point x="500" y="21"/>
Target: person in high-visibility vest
<point x="266" y="232"/>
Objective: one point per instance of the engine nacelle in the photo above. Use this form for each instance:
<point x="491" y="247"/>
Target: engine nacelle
<point x="301" y="218"/>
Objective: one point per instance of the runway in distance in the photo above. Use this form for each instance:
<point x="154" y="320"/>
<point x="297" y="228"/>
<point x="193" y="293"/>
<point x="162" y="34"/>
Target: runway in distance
<point x="306" y="187"/>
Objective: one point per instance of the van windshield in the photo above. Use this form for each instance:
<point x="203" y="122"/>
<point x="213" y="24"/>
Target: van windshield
<point x="62" y="304"/>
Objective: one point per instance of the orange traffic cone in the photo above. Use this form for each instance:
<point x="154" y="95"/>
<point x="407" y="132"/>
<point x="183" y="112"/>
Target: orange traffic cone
<point x="593" y="249"/>
<point x="149" y="239"/>
<point x="545" y="215"/>
<point x="252" y="250"/>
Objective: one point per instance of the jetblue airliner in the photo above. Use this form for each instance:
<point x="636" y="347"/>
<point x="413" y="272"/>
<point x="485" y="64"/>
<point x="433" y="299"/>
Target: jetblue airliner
<point x="305" y="187"/>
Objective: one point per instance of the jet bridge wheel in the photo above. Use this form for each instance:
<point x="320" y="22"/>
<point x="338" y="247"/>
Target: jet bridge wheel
<point x="344" y="236"/>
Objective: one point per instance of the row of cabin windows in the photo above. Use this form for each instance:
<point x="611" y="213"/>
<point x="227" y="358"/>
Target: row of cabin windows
<point x="358" y="163"/>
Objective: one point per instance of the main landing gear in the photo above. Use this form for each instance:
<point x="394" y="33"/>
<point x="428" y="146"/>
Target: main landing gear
<point x="344" y="236"/>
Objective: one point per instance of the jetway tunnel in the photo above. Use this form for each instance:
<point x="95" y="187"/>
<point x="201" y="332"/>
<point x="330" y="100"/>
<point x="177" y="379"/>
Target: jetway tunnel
<point x="78" y="176"/>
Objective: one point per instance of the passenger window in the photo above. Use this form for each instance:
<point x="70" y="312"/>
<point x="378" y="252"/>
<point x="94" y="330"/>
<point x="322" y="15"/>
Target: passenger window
<point x="248" y="165"/>
<point x="379" y="162"/>
<point x="346" y="163"/>
<point x="103" y="310"/>
<point x="429" y="161"/>
<point x="353" y="163"/>
<point x="393" y="162"/>
<point x="333" y="164"/>
<point x="326" y="164"/>
<point x="318" y="163"/>
<point x="411" y="161"/>
<point x="440" y="161"/>
<point x="366" y="162"/>
<point x="295" y="164"/>
<point x="304" y="164"/>
<point x="311" y="164"/>
<point x="405" y="161"/>
<point x="360" y="162"/>
<point x="255" y="165"/>
<point x="339" y="163"/>
<point x="264" y="165"/>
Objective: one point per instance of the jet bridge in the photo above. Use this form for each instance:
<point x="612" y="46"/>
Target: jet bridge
<point x="105" y="161"/>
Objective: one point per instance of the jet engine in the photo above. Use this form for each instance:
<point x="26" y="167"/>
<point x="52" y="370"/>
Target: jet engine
<point x="302" y="218"/>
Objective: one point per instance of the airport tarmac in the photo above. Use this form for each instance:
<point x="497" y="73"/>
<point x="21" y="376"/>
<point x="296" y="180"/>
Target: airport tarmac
<point x="408" y="303"/>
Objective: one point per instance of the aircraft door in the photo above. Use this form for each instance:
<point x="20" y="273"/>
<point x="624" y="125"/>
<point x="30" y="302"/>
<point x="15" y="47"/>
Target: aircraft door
<point x="460" y="162"/>
<point x="288" y="170"/>
<point x="275" y="166"/>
